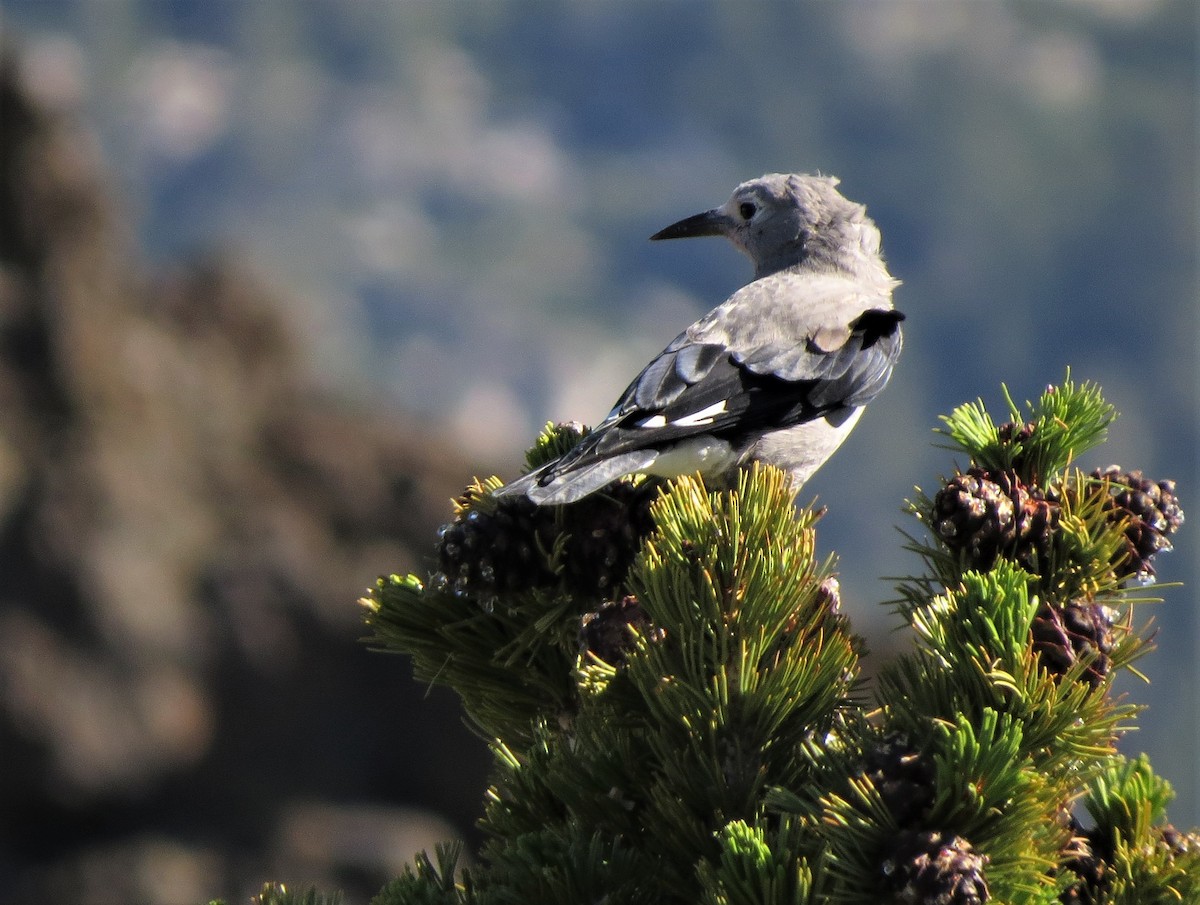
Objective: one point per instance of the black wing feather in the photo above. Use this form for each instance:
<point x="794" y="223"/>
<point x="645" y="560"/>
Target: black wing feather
<point x="692" y="377"/>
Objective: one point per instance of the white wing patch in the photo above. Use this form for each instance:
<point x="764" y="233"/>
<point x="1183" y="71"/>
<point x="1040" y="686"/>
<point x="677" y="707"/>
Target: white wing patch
<point x="704" y="416"/>
<point x="653" y="421"/>
<point x="695" y="419"/>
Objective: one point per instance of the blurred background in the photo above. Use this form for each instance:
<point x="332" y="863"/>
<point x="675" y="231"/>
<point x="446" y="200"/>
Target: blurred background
<point x="276" y="278"/>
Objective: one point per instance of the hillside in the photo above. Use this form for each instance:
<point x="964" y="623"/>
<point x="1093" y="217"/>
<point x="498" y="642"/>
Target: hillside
<point x="186" y="517"/>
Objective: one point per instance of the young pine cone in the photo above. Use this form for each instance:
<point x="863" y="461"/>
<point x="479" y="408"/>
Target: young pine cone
<point x="929" y="869"/>
<point x="1037" y="521"/>
<point x="1064" y="635"/>
<point x="973" y="513"/>
<point x="1176" y="842"/>
<point x="487" y="553"/>
<point x="901" y="775"/>
<point x="606" y="531"/>
<point x="1089" y="870"/>
<point x="1152" y="512"/>
<point x="1011" y="432"/>
<point x="508" y="549"/>
<point x="606" y="632"/>
<point x="1092" y="854"/>
<point x="991" y="514"/>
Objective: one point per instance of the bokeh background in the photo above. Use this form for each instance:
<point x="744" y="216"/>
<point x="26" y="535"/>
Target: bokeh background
<point x="276" y="278"/>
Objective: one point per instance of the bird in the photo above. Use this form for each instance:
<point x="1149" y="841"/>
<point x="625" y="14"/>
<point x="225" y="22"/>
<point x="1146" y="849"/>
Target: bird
<point x="778" y="373"/>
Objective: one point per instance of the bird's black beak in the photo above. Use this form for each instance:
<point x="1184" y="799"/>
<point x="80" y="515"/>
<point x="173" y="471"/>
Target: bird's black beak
<point x="710" y="223"/>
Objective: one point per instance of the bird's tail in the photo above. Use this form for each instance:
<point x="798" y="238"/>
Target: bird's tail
<point x="569" y="479"/>
<point x="522" y="485"/>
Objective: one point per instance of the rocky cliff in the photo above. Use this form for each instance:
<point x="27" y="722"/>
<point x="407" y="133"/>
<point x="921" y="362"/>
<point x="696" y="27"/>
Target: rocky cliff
<point x="186" y="519"/>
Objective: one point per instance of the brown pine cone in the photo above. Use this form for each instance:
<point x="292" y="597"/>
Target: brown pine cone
<point x="1152" y="513"/>
<point x="606" y="632"/>
<point x="930" y="869"/>
<point x="973" y="513"/>
<point x="1064" y="635"/>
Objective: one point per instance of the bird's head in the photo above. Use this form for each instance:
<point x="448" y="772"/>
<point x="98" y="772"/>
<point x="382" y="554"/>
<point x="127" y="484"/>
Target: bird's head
<point x="784" y="220"/>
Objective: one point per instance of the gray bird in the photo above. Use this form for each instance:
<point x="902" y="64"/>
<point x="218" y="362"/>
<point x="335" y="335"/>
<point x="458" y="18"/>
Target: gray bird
<point x="778" y="373"/>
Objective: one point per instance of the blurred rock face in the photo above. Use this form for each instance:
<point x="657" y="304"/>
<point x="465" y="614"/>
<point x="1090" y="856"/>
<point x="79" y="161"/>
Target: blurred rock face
<point x="185" y="522"/>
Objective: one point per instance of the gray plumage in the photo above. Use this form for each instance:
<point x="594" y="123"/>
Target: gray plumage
<point x="778" y="373"/>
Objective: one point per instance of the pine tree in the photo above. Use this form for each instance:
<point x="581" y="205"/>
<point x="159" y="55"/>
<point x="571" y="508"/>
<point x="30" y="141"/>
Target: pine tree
<point x="675" y="707"/>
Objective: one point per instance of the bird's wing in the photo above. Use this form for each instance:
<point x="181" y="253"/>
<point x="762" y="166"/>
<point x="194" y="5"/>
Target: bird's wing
<point x="765" y="359"/>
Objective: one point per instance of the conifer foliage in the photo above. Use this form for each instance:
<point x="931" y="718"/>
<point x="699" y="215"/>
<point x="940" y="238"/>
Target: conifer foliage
<point x="676" y="712"/>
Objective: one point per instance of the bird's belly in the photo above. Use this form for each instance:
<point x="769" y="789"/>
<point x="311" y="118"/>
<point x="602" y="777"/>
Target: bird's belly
<point x="802" y="449"/>
<point x="707" y="455"/>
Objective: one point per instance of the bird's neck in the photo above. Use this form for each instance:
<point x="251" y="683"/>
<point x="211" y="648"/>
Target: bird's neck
<point x="853" y="250"/>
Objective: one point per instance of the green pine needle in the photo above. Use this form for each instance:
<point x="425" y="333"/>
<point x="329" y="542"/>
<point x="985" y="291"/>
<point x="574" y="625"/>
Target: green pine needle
<point x="426" y="883"/>
<point x="1066" y="421"/>
<point x="1127" y="799"/>
<point x="751" y="871"/>
<point x="555" y="441"/>
<point x="278" y="894"/>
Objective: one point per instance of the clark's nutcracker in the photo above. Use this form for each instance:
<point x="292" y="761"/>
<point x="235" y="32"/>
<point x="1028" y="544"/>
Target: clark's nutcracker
<point x="779" y="373"/>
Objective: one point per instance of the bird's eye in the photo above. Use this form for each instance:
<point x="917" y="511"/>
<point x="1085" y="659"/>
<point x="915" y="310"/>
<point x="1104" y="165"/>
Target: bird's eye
<point x="747" y="210"/>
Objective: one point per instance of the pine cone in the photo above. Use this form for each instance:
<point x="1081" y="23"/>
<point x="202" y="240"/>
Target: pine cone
<point x="1011" y="432"/>
<point x="1090" y="855"/>
<point x="606" y="531"/>
<point x="504" y="546"/>
<point x="1090" y="870"/>
<point x="991" y="514"/>
<point x="555" y="442"/>
<point x="1088" y="889"/>
<point x="1037" y="519"/>
<point x="1061" y="636"/>
<point x="928" y="869"/>
<point x="1016" y="437"/>
<point x="973" y="513"/>
<point x="1152" y="512"/>
<point x="1176" y="842"/>
<point x="902" y="775"/>
<point x="485" y="554"/>
<point x="606" y="632"/>
<point x="801" y="623"/>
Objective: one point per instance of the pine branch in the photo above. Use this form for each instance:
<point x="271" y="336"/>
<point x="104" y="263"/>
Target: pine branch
<point x="424" y="883"/>
<point x="1065" y="422"/>
<point x="278" y="894"/>
<point x="684" y="722"/>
